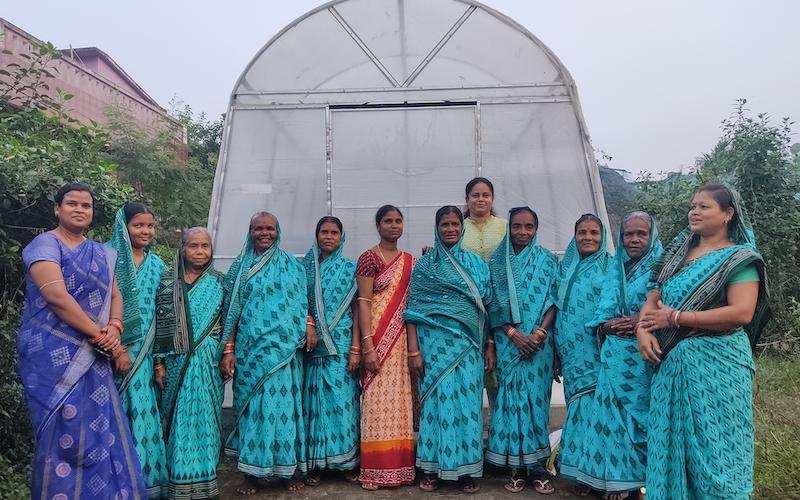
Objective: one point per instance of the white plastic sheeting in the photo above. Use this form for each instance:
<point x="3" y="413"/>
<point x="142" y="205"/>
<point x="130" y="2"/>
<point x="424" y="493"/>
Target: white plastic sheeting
<point x="360" y="103"/>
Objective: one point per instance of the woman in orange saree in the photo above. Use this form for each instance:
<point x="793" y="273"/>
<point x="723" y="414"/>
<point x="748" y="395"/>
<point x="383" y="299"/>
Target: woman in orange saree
<point x="383" y="274"/>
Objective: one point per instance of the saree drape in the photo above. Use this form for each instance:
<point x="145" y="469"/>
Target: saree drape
<point x="83" y="447"/>
<point x="614" y="459"/>
<point x="331" y="394"/>
<point x="137" y="390"/>
<point x="189" y="326"/>
<point x="387" y="431"/>
<point x="578" y="294"/>
<point x="267" y="307"/>
<point x="446" y="302"/>
<point x="700" y="439"/>
<point x="521" y="293"/>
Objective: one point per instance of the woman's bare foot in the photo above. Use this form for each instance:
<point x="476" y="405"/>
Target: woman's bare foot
<point x="250" y="488"/>
<point x="468" y="485"/>
<point x="313" y="478"/>
<point x="370" y="486"/>
<point x="294" y="484"/>
<point x="351" y="476"/>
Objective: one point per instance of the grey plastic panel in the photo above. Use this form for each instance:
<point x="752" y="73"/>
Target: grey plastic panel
<point x="276" y="162"/>
<point x="415" y="158"/>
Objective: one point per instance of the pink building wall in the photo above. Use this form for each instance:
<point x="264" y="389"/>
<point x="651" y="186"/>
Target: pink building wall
<point x="95" y="83"/>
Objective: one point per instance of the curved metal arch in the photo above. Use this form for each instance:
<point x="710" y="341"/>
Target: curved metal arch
<point x="568" y="81"/>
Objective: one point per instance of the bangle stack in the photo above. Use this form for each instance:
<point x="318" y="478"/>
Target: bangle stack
<point x="674" y="319"/>
<point x="228" y="348"/>
<point x="369" y="351"/>
<point x="355" y="350"/>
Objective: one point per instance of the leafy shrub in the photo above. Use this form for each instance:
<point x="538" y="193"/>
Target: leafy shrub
<point x="754" y="157"/>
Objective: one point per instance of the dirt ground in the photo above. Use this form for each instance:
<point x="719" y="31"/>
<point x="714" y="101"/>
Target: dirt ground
<point x="335" y="487"/>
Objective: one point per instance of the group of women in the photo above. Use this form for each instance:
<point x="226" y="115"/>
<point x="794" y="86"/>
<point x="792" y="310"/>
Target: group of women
<point x="336" y="364"/>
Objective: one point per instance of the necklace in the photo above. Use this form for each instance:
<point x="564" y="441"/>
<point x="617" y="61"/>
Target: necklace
<point x="69" y="239"/>
<point x="383" y="256"/>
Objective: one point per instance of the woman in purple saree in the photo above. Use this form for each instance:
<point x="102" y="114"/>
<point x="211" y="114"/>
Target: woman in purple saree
<point x="68" y="346"/>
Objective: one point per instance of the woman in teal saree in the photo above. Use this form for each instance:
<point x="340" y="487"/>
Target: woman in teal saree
<point x="138" y="273"/>
<point x="521" y="313"/>
<point x="188" y="330"/>
<point x="583" y="270"/>
<point x="265" y="328"/>
<point x="614" y="460"/>
<point x="331" y="392"/>
<point x="446" y="321"/>
<point x="698" y="328"/>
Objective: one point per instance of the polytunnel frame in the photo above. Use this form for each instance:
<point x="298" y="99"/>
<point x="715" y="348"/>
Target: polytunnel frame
<point x="568" y="82"/>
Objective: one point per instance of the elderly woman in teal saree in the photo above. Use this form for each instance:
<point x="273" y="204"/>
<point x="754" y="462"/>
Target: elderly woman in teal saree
<point x="445" y="318"/>
<point x="331" y="393"/>
<point x="583" y="270"/>
<point x="264" y="330"/>
<point x="521" y="312"/>
<point x="698" y="328"/>
<point x="138" y="273"/>
<point x="614" y="460"/>
<point x="188" y="330"/>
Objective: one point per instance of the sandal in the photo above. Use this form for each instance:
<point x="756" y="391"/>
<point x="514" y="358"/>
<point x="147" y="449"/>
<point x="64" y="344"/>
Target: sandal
<point x="618" y="495"/>
<point x="543" y="487"/>
<point x="468" y="485"/>
<point x="313" y="479"/>
<point x="351" y="477"/>
<point x="515" y="485"/>
<point x="429" y="483"/>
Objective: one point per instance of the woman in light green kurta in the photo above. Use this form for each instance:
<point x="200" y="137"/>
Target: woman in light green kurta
<point x="188" y="329"/>
<point x="698" y="328"/>
<point x="138" y="273"/>
<point x="483" y="232"/>
<point x="265" y="329"/>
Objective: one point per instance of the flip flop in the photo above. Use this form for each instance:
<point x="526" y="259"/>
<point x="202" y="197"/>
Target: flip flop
<point x="429" y="484"/>
<point x="515" y="485"/>
<point x="543" y="487"/>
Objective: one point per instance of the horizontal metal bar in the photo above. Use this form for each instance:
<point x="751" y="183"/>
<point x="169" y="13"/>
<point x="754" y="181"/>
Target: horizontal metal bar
<point x="489" y="101"/>
<point x="372" y="207"/>
<point x="402" y="89"/>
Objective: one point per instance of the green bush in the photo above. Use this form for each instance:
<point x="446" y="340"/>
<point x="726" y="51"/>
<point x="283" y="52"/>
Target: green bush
<point x="754" y="157"/>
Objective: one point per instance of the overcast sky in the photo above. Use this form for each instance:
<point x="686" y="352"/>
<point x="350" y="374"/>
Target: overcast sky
<point x="655" y="78"/>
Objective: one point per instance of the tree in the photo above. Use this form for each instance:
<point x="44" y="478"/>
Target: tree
<point x="754" y="157"/>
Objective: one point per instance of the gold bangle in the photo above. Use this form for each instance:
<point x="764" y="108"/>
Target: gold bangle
<point x="364" y="299"/>
<point x="50" y="283"/>
<point x="414" y="354"/>
<point x="369" y="351"/>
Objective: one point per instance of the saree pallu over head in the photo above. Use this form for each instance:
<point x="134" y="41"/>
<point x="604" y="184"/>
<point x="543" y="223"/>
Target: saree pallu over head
<point x="532" y="271"/>
<point x="702" y="284"/>
<point x="138" y="322"/>
<point x="180" y="332"/>
<point x="626" y="286"/>
<point x="83" y="446"/>
<point x="174" y="325"/>
<point x="331" y="290"/>
<point x="267" y="306"/>
<point x="448" y="288"/>
<point x="577" y="295"/>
